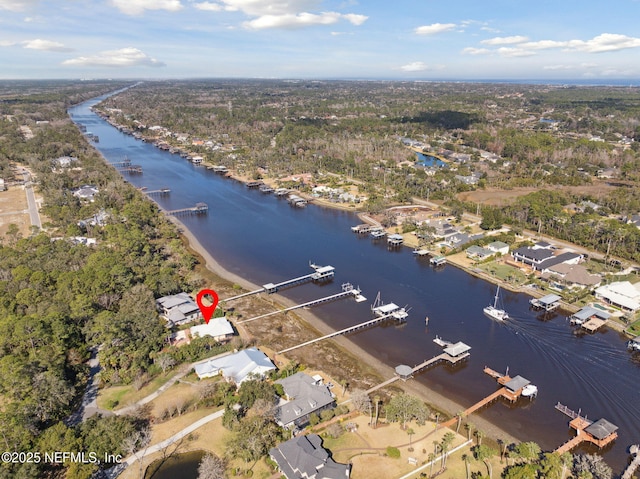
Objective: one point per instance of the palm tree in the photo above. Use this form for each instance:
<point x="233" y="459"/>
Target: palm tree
<point x="459" y="415"/>
<point x="410" y="432"/>
<point x="467" y="460"/>
<point x="479" y="435"/>
<point x="431" y="458"/>
<point x="469" y="428"/>
<point x="447" y="439"/>
<point x="376" y="399"/>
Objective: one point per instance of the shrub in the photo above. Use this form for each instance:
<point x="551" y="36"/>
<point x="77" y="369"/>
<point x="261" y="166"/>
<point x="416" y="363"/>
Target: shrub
<point x="393" y="452"/>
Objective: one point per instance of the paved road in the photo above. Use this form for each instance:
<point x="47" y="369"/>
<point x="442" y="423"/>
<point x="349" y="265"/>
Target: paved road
<point x="117" y="470"/>
<point x="31" y="200"/>
<point x="89" y="405"/>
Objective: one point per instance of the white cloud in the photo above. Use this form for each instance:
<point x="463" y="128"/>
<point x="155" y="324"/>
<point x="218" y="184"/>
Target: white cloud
<point x="505" y="40"/>
<point x="138" y="7"/>
<point x="606" y="42"/>
<point x="558" y="67"/>
<point x="435" y="28"/>
<point x="46" y="45"/>
<point x="415" y="67"/>
<point x="259" y="8"/>
<point x="300" y="20"/>
<point x="476" y="51"/>
<point x="515" y="52"/>
<point x="209" y="6"/>
<point x="125" y="57"/>
<point x="17" y="5"/>
<point x="6" y="43"/>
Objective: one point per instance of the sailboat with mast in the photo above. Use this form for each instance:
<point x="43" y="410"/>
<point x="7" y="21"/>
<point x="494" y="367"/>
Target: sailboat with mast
<point x="493" y="312"/>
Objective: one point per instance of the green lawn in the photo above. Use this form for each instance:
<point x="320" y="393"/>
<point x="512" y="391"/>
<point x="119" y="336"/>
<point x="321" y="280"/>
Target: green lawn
<point x="504" y="272"/>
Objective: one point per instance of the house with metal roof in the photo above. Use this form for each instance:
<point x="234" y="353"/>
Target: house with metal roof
<point x="303" y="457"/>
<point x="587" y="313"/>
<point x="622" y="294"/>
<point x="178" y="309"/>
<point x="498" y="247"/>
<point x="219" y="329"/>
<point x="304" y="396"/>
<point x="478" y="253"/>
<point x="238" y="367"/>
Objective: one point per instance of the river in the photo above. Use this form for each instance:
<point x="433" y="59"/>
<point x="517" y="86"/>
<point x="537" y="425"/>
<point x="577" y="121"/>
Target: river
<point x="263" y="239"/>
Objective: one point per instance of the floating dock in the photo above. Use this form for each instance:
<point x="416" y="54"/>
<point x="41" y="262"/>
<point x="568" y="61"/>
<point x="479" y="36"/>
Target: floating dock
<point x="347" y="290"/>
<point x="321" y="273"/>
<point x="198" y="209"/>
<point x="601" y="433"/>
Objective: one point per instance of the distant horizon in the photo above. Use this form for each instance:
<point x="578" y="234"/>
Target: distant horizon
<point x="612" y="82"/>
<point x="409" y="40"/>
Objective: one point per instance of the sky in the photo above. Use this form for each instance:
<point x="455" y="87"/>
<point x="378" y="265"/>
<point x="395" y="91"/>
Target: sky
<point x="358" y="39"/>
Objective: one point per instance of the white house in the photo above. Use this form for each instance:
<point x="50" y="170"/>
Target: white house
<point x="219" y="329"/>
<point x="86" y="192"/>
<point x="238" y="367"/>
<point x="622" y="294"/>
<point x="499" y="247"/>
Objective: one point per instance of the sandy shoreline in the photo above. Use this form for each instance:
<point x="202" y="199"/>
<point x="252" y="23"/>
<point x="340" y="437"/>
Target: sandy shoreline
<point x="428" y="395"/>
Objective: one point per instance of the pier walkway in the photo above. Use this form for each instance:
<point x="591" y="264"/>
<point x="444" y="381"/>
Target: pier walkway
<point x="348" y="330"/>
<point x="161" y="192"/>
<point x="347" y="290"/>
<point x="320" y="273"/>
<point x="198" y="209"/>
<point x="600" y="433"/>
<point x="446" y="356"/>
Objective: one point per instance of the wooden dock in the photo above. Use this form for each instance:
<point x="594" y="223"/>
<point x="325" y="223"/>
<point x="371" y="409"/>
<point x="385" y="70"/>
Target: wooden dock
<point x="198" y="209"/>
<point x="131" y="169"/>
<point x="347" y="290"/>
<point x="159" y="192"/>
<point x="348" y="330"/>
<point x="601" y="433"/>
<point x="321" y="273"/>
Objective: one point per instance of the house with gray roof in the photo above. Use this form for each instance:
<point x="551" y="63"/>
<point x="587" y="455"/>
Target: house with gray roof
<point x="178" y="309"/>
<point x="304" y="396"/>
<point x="478" y="253"/>
<point x="303" y="457"/>
<point x="238" y="367"/>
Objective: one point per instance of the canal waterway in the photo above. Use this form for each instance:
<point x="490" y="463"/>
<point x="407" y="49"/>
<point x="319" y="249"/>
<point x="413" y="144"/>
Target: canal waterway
<point x="263" y="239"/>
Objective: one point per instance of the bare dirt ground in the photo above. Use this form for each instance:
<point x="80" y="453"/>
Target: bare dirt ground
<point x="13" y="210"/>
<point x="495" y="197"/>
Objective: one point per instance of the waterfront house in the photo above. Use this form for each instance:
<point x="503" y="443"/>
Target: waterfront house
<point x="621" y="294"/>
<point x="219" y="329"/>
<point x="478" y="253"/>
<point x="178" y="309"/>
<point x="573" y="276"/>
<point x="305" y="395"/>
<point x="238" y="367"/>
<point x="303" y="457"/>
<point x="499" y="247"/>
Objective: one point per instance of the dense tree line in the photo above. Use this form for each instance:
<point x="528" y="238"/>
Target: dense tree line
<point x="58" y="298"/>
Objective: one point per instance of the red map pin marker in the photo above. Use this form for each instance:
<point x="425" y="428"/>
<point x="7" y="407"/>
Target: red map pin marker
<point x="207" y="311"/>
